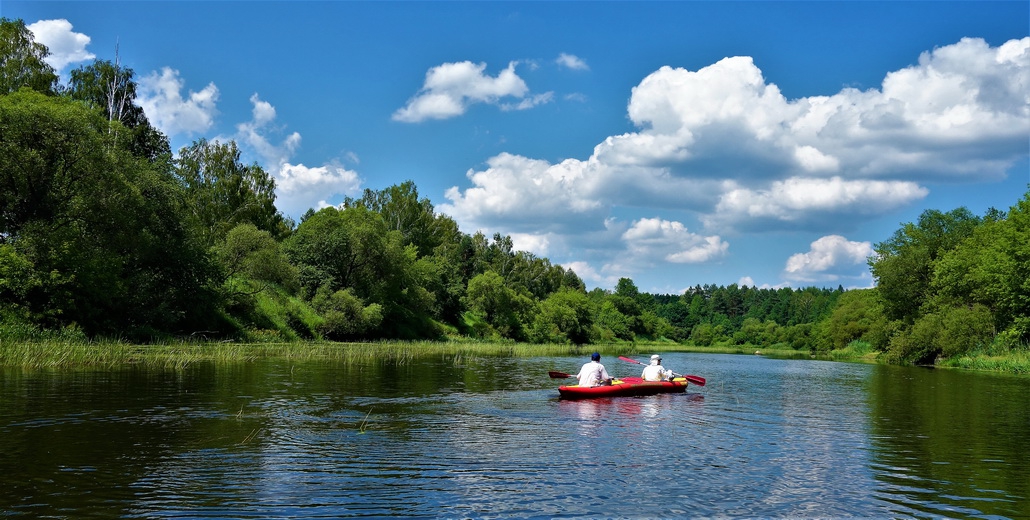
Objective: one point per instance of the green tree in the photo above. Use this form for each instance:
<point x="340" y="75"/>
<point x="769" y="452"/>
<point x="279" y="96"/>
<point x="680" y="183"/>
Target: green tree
<point x="353" y="249"/>
<point x="223" y="192"/>
<point x="111" y="88"/>
<point x="903" y="264"/>
<point x="534" y="275"/>
<point x="858" y="315"/>
<point x="992" y="269"/>
<point x="755" y="332"/>
<point x="498" y="306"/>
<point x="704" y="334"/>
<point x="252" y="260"/>
<point x="564" y="317"/>
<point x="614" y="323"/>
<point x="626" y="289"/>
<point x="415" y="218"/>
<point x="96" y="230"/>
<point x="344" y="316"/>
<point x="22" y="60"/>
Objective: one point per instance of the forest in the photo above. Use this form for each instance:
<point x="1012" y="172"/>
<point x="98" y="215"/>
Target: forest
<point x="106" y="233"/>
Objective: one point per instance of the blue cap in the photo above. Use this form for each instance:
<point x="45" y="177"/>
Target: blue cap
<point x="595" y="356"/>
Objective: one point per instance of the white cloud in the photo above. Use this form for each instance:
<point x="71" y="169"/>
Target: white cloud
<point x="449" y="90"/>
<point x="809" y="203"/>
<point x="66" y="46"/>
<point x="671" y="241"/>
<point x="591" y="276"/>
<point x="829" y="259"/>
<point x="255" y="133"/>
<point x="534" y="243"/>
<point x="527" y="103"/>
<point x="300" y="187"/>
<point x="571" y="61"/>
<point x="515" y="189"/>
<point x="160" y="96"/>
<point x="724" y="144"/>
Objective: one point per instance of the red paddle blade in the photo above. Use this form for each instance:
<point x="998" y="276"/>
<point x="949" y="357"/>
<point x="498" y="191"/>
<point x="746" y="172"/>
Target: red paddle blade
<point x="558" y="375"/>
<point x="624" y="358"/>
<point x="697" y="380"/>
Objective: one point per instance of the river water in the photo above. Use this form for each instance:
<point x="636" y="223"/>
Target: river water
<point x="489" y="438"/>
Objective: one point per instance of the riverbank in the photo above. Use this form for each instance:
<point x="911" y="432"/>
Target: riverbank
<point x="107" y="354"/>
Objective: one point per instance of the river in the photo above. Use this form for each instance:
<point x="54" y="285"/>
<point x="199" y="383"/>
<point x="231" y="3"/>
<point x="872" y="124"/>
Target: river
<point x="489" y="438"/>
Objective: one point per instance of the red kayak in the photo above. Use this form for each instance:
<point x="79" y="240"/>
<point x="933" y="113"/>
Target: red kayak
<point x="624" y="386"/>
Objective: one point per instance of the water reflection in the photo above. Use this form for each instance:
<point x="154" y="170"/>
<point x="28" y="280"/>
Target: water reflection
<point x="946" y="441"/>
<point x="489" y="437"/>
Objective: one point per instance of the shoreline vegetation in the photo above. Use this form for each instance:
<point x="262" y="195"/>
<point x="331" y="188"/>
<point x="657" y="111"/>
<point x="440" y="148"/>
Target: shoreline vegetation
<point x="55" y="354"/>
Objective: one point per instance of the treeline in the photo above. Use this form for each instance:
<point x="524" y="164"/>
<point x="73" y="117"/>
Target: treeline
<point x="105" y="233"/>
<point x="949" y="284"/>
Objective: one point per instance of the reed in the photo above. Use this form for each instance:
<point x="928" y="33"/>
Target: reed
<point x="1014" y="362"/>
<point x="47" y="354"/>
<point x="178" y="355"/>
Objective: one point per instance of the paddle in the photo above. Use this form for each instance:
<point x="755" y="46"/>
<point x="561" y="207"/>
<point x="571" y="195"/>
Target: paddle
<point x="697" y="380"/>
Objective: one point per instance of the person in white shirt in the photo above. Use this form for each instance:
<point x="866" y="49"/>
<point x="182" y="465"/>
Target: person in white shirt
<point x="593" y="373"/>
<point x="655" y="371"/>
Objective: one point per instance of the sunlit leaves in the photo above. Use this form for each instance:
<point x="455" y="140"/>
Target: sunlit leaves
<point x="22" y="60"/>
<point x="222" y="192"/>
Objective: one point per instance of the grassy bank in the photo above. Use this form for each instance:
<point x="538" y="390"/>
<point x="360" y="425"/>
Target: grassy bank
<point x="54" y="354"/>
<point x="1014" y="362"/>
<point x="110" y="354"/>
<point x="62" y="353"/>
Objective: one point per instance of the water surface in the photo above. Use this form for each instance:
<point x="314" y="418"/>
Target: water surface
<point x="490" y="438"/>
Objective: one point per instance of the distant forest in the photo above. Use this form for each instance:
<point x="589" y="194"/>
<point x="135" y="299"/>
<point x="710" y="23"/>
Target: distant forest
<point x="104" y="233"/>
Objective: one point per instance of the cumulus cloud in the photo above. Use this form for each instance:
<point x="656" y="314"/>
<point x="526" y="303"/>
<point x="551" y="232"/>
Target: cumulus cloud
<point x="160" y="96"/>
<point x="515" y="189"/>
<point x="298" y="187"/>
<point x="449" y="90"/>
<point x="830" y="258"/>
<point x="671" y="241"/>
<point x="724" y="144"/>
<point x="66" y="46"/>
<point x="808" y="203"/>
<point x="571" y="61"/>
<point x="535" y="243"/>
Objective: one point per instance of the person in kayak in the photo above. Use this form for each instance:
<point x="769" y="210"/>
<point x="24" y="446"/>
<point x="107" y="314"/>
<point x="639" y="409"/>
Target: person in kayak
<point x="655" y="371"/>
<point x="593" y="373"/>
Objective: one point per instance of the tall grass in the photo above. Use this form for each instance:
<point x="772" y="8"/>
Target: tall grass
<point x="1016" y="361"/>
<point x="55" y="353"/>
<point x="46" y="354"/>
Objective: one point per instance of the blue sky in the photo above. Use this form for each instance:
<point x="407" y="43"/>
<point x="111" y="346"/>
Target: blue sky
<point x="674" y="143"/>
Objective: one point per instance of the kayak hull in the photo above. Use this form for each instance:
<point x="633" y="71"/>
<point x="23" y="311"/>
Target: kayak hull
<point x="624" y="387"/>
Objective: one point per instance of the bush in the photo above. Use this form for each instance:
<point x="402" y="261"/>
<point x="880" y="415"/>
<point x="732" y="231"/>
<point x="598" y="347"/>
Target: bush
<point x="14" y="329"/>
<point x="344" y="316"/>
<point x="965" y="329"/>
